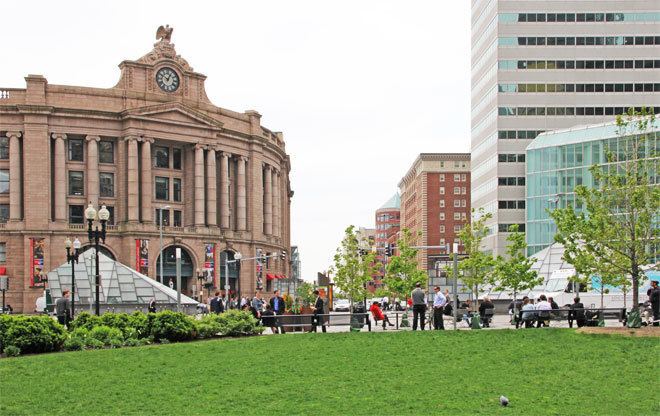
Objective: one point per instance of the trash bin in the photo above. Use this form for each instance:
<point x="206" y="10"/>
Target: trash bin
<point x="357" y="321"/>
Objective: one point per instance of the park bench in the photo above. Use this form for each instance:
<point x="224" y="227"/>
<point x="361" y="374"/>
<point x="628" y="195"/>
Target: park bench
<point x="591" y="315"/>
<point x="304" y="322"/>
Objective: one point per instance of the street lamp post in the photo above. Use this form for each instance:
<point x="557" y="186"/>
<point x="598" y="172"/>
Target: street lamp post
<point x="95" y="235"/>
<point x="160" y="227"/>
<point x="71" y="258"/>
<point x="200" y="280"/>
<point x="237" y="259"/>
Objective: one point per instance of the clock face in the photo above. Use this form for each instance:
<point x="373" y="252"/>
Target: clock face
<point x="167" y="79"/>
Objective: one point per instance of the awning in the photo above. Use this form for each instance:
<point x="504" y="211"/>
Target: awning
<point x="270" y="276"/>
<point x="3" y="271"/>
<point x="281" y="276"/>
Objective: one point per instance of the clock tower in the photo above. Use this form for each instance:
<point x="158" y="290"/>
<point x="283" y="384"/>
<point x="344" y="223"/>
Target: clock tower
<point x="162" y="72"/>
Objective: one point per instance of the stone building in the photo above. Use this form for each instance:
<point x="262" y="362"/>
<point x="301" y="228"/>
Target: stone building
<point x="154" y="143"/>
<point x="435" y="204"/>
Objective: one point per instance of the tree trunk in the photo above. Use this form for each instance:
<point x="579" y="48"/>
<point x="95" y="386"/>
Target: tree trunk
<point x="635" y="285"/>
<point x="476" y="298"/>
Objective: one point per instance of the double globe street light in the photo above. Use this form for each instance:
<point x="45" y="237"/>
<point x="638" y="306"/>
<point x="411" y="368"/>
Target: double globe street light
<point x="72" y="258"/>
<point x="95" y="235"/>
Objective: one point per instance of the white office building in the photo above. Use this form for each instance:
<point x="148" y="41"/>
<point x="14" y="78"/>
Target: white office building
<point x="546" y="65"/>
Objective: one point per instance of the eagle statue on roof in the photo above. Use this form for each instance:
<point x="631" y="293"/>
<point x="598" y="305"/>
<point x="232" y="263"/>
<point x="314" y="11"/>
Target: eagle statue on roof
<point x="164" y="33"/>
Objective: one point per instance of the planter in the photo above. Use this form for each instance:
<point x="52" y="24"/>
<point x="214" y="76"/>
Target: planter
<point x="288" y="319"/>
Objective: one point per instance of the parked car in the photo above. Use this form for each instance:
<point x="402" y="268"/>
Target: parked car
<point x="342" y="305"/>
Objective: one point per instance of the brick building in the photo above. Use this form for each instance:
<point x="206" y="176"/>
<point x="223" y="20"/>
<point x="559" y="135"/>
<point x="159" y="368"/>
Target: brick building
<point x="435" y="202"/>
<point x="387" y="227"/>
<point x="152" y="142"/>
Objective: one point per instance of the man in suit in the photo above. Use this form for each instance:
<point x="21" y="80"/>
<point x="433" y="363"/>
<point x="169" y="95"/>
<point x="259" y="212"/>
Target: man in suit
<point x="318" y="310"/>
<point x="216" y="304"/>
<point x="419" y="306"/>
<point x="278" y="306"/>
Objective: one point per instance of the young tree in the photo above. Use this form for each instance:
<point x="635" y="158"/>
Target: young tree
<point x="477" y="266"/>
<point x="353" y="266"/>
<point x="617" y="228"/>
<point x="402" y="273"/>
<point x="515" y="272"/>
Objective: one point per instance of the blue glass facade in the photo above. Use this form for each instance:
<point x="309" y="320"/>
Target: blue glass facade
<point x="558" y="161"/>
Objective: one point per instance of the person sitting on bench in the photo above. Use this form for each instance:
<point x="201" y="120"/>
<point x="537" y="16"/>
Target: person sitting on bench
<point x="576" y="313"/>
<point x="379" y="315"/>
<point x="528" y="313"/>
<point x="543" y="307"/>
<point x="486" y="309"/>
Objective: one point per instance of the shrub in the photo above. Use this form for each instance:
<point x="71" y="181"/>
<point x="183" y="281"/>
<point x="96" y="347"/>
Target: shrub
<point x="93" y="343"/>
<point x="74" y="344"/>
<point x="85" y="320"/>
<point x="106" y="335"/>
<point x="207" y="328"/>
<point x="236" y="323"/>
<point x="171" y="326"/>
<point x="132" y="342"/>
<point x="12" y="351"/>
<point x="116" y="343"/>
<point x="33" y="334"/>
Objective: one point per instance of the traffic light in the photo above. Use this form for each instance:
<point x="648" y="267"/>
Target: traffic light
<point x="283" y="255"/>
<point x="388" y="250"/>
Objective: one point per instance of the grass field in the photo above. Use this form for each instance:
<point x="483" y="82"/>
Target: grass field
<point x="542" y="372"/>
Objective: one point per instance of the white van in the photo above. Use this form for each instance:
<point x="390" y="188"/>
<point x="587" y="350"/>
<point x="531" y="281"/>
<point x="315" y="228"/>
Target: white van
<point x="562" y="290"/>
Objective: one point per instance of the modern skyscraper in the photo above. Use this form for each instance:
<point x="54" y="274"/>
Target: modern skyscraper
<point x="539" y="66"/>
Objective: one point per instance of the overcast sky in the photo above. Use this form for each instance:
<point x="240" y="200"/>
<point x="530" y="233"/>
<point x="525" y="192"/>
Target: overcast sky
<point x="359" y="88"/>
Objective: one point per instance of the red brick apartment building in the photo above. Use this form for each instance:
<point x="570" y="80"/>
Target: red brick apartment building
<point x="435" y="202"/>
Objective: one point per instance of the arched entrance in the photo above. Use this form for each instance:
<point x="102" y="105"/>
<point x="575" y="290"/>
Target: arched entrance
<point x="102" y="250"/>
<point x="234" y="272"/>
<point x="169" y="267"/>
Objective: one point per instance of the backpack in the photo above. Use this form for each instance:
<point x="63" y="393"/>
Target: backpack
<point x="448" y="310"/>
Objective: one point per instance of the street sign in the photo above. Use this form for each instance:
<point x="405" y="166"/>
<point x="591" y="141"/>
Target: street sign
<point x="4" y="283"/>
<point x="227" y="287"/>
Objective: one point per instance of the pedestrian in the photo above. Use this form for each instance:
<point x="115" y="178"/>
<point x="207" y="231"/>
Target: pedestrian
<point x="318" y="311"/>
<point x="528" y="313"/>
<point x="514" y="311"/>
<point x="258" y="303"/>
<point x="268" y="319"/>
<point x="543" y="307"/>
<point x="553" y="304"/>
<point x="419" y="306"/>
<point x="486" y="311"/>
<point x="278" y="306"/>
<point x="216" y="304"/>
<point x="385" y="301"/>
<point x="152" y="306"/>
<point x="576" y="313"/>
<point x="654" y="298"/>
<point x="439" y="303"/>
<point x="378" y="315"/>
<point x="63" y="309"/>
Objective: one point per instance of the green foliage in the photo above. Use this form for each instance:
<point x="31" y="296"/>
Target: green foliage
<point x="234" y="323"/>
<point x="476" y="268"/>
<point x="107" y="335"/>
<point x="172" y="326"/>
<point x="33" y="334"/>
<point x="85" y="320"/>
<point x="515" y="272"/>
<point x="12" y="351"/>
<point x="93" y="344"/>
<point x="135" y="325"/>
<point x="353" y="265"/>
<point x="74" y="343"/>
<point x="402" y="273"/>
<point x="614" y="230"/>
<point x="305" y="293"/>
<point x="208" y="326"/>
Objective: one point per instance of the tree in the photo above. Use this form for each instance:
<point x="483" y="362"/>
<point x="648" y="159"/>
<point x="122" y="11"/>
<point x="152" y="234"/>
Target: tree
<point x="353" y="266"/>
<point x="616" y="229"/>
<point x="477" y="266"/>
<point x="515" y="272"/>
<point x="402" y="273"/>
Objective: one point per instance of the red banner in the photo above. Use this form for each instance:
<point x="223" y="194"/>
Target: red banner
<point x="209" y="264"/>
<point x="37" y="273"/>
<point x="142" y="256"/>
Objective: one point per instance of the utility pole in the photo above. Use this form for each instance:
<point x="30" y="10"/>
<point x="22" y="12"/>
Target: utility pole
<point x="455" y="282"/>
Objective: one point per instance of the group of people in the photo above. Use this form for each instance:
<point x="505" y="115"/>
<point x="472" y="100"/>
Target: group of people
<point x="538" y="312"/>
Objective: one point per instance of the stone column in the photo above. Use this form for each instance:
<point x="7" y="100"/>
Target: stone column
<point x="241" y="195"/>
<point x="199" y="185"/>
<point x="268" y="200"/>
<point x="211" y="191"/>
<point x="276" y="203"/>
<point x="133" y="174"/>
<point x="93" y="170"/>
<point x="224" y="190"/>
<point x="59" y="177"/>
<point x="15" y="193"/>
<point x="146" y="182"/>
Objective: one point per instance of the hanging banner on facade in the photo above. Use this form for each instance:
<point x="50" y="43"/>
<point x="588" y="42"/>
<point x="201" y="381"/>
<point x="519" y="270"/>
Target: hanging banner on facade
<point x="209" y="264"/>
<point x="142" y="256"/>
<point x="37" y="274"/>
<point x="260" y="270"/>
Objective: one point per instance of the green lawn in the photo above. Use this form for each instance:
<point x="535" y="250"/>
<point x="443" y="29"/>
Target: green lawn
<point x="543" y="372"/>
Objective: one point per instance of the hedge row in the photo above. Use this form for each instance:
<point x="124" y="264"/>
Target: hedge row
<point x="37" y="334"/>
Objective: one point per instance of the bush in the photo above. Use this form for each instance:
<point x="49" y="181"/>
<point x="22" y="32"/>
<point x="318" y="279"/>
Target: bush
<point x="93" y="343"/>
<point x="74" y="344"/>
<point x="171" y="326"/>
<point x="207" y="328"/>
<point x="236" y="323"/>
<point x="132" y="342"/>
<point x="33" y="334"/>
<point x="12" y="351"/>
<point x="85" y="320"/>
<point x="107" y="335"/>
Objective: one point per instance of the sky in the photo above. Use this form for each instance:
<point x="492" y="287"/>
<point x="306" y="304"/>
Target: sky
<point x="359" y="88"/>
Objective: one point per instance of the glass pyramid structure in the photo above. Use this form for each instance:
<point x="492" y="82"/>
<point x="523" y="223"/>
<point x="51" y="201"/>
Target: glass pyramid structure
<point x="122" y="288"/>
